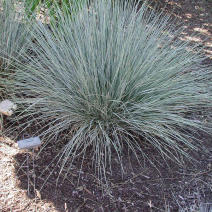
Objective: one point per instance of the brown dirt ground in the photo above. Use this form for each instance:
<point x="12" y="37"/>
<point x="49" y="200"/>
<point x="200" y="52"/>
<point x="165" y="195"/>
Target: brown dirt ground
<point x="140" y="189"/>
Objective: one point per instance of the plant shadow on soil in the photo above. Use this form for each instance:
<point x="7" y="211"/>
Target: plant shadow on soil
<point x="139" y="189"/>
<point x="195" y="17"/>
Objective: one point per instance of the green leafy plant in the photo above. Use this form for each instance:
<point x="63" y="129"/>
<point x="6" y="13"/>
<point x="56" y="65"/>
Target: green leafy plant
<point x="71" y="7"/>
<point x="115" y="76"/>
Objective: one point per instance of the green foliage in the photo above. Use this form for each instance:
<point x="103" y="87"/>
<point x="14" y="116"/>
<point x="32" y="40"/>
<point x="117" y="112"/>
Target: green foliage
<point x="115" y="77"/>
<point x="71" y="7"/>
<point x="13" y="42"/>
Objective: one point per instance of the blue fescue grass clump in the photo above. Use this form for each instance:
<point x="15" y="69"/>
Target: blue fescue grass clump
<point x="115" y="76"/>
<point x="13" y="38"/>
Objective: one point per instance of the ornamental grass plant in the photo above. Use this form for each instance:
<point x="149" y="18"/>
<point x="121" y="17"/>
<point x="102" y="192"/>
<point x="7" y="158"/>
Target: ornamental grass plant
<point x="116" y="76"/>
<point x="13" y="38"/>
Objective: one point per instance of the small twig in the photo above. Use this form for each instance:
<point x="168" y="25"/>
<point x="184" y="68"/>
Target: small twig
<point x="127" y="181"/>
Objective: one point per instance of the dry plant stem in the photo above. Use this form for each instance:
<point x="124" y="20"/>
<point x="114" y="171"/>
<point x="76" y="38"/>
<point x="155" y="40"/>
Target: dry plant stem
<point x="1" y="123"/>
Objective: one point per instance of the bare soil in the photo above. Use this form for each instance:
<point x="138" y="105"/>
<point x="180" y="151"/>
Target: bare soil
<point x="28" y="179"/>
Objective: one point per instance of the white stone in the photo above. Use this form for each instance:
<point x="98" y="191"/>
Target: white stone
<point x="7" y="107"/>
<point x="29" y="143"/>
